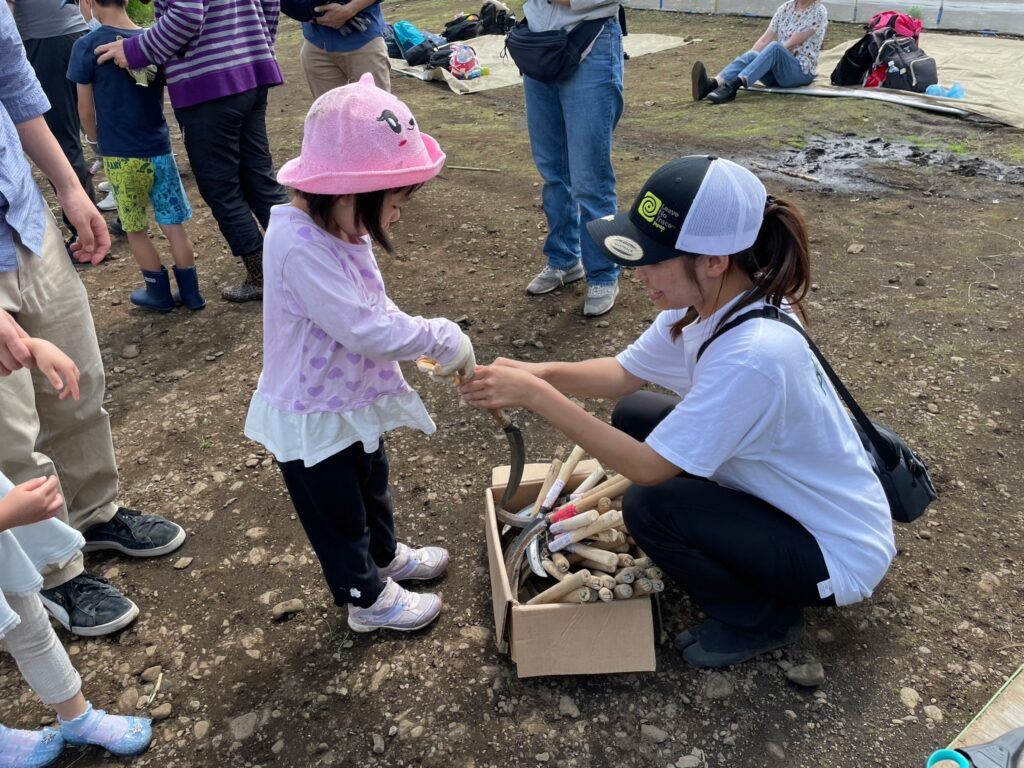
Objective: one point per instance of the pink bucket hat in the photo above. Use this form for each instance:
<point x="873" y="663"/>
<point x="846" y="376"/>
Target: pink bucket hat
<point x="359" y="138"/>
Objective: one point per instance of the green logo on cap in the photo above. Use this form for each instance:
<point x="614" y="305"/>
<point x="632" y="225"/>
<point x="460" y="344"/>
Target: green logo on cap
<point x="649" y="206"/>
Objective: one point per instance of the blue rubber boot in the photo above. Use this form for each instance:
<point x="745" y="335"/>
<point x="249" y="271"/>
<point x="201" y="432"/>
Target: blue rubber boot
<point x="188" y="286"/>
<point x="156" y="294"/>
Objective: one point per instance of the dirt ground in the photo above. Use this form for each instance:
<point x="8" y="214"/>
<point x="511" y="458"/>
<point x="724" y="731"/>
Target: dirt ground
<point x="923" y="323"/>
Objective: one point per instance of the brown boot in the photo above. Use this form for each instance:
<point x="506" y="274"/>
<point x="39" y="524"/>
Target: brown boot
<point x="251" y="288"/>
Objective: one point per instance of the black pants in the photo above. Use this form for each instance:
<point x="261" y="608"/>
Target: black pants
<point x="742" y="560"/>
<point x="228" y="149"/>
<point x="49" y="58"/>
<point x="344" y="503"/>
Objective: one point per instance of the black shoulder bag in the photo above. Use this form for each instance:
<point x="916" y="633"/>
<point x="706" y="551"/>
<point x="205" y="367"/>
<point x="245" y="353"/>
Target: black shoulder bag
<point x="903" y="474"/>
<point x="554" y="55"/>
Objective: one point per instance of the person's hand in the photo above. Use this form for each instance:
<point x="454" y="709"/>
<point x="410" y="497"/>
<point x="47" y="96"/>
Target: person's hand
<point x="334" y="15"/>
<point x="464" y="363"/>
<point x="58" y="368"/>
<point x="93" y="241"/>
<point x="112" y="52"/>
<point x="500" y="386"/>
<point x="38" y="499"/>
<point x="508" y="362"/>
<point x="14" y="354"/>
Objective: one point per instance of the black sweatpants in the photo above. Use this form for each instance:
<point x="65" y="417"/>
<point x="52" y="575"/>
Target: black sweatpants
<point x="49" y="58"/>
<point x="344" y="503"/>
<point x="742" y="560"/>
<point x="228" y="149"/>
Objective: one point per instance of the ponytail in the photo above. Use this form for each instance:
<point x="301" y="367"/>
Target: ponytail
<point x="778" y="264"/>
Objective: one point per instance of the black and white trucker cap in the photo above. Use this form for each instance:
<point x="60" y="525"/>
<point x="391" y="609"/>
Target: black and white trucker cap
<point x="700" y="205"/>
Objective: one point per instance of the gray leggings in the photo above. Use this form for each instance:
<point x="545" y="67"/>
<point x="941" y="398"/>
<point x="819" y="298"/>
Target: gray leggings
<point x="40" y="656"/>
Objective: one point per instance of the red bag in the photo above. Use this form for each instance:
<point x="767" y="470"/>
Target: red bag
<point x="876" y="76"/>
<point x="903" y="25"/>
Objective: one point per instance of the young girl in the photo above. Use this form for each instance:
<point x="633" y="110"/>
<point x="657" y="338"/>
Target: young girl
<point x="793" y="514"/>
<point x="26" y="513"/>
<point x="331" y="385"/>
<point x="785" y="56"/>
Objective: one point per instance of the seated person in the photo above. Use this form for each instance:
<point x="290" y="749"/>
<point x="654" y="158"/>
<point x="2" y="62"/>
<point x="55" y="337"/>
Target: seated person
<point x="800" y="25"/>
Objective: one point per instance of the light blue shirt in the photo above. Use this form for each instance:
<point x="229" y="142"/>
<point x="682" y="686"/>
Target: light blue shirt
<point x="22" y="209"/>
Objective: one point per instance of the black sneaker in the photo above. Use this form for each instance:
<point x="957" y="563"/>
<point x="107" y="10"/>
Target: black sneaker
<point x="701" y="85"/>
<point x="116" y="228"/>
<point x="720" y="645"/>
<point x="88" y="606"/>
<point x="724" y="93"/>
<point x="135" y="534"/>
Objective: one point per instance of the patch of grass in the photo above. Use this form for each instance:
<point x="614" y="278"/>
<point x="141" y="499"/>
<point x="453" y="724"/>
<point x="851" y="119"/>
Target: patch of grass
<point x="1015" y="155"/>
<point x="958" y="149"/>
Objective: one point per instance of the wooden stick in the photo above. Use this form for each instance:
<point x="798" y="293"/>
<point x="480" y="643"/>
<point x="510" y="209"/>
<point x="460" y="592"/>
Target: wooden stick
<point x="560" y="561"/>
<point x="568" y="468"/>
<point x="640" y="587"/>
<point x="581" y="595"/>
<point x="551" y="570"/>
<point x="610" y="536"/>
<point x="593" y="565"/>
<point x="657" y="585"/>
<point x="607" y="580"/>
<point x="604" y="504"/>
<point x="610" y="561"/>
<point x="605" y="595"/>
<point x="626" y="561"/>
<point x="654" y="573"/>
<point x="616" y="486"/>
<point x="571" y="582"/>
<point x="549" y="480"/>
<point x="603" y="523"/>
<point x="580" y="521"/>
<point x="643" y="563"/>
<point x="591" y="480"/>
<point x="623" y="591"/>
<point x="625" y="576"/>
<point x="472" y="168"/>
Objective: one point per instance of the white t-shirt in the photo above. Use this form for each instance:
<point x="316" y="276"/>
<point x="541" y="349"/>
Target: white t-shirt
<point x="759" y="415"/>
<point x="788" y="21"/>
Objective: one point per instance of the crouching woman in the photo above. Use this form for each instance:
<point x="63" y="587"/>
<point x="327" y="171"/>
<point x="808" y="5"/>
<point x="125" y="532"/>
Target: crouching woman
<point x="751" y="488"/>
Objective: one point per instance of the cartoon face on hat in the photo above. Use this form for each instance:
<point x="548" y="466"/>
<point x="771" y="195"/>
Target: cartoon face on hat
<point x="359" y="138"/>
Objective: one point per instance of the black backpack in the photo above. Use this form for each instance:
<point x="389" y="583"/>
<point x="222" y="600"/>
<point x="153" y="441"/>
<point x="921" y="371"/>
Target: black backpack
<point x="908" y="67"/>
<point x="464" y="27"/>
<point x="860" y="57"/>
<point x="496" y="18"/>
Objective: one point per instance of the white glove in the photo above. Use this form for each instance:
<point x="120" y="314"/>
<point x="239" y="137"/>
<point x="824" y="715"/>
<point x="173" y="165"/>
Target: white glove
<point x="464" y="362"/>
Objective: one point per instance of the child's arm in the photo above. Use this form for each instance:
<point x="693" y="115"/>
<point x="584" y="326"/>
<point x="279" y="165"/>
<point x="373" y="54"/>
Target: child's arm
<point x="87" y="111"/>
<point x="13" y="352"/>
<point x="58" y="368"/>
<point x="180" y="23"/>
<point x="30" y="502"/>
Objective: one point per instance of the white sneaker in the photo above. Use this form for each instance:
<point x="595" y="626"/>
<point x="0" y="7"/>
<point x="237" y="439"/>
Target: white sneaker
<point x="416" y="564"/>
<point x="108" y="203"/>
<point x="104" y="186"/>
<point x="550" y="278"/>
<point x="396" y="608"/>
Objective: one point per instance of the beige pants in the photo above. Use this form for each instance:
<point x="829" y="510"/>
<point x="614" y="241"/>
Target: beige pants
<point x="42" y="435"/>
<point x="326" y="69"/>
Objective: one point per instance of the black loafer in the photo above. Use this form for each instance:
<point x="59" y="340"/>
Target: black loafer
<point x="724" y="93"/>
<point x="700" y="83"/>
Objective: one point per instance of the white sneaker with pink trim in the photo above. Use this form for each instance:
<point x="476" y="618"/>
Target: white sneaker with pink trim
<point x="416" y="564"/>
<point x="396" y="608"/>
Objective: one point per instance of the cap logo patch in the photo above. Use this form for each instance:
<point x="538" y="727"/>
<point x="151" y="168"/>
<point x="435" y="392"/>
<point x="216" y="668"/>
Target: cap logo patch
<point x="624" y="248"/>
<point x="649" y="206"/>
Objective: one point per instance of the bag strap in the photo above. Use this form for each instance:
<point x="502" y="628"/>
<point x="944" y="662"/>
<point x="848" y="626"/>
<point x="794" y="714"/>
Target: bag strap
<point x="882" y="446"/>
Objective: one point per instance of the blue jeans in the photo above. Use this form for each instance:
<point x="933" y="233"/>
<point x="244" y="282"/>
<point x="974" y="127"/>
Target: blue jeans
<point x="571" y="124"/>
<point x="774" y="66"/>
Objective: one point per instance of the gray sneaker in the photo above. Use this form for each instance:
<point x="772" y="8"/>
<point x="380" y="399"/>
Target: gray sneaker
<point x="600" y="299"/>
<point x="551" y="278"/>
<point x="88" y="606"/>
<point x="132" y="533"/>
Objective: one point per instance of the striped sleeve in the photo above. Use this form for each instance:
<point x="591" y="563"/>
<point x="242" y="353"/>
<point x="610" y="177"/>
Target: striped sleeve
<point x="271" y="15"/>
<point x="181" y="22"/>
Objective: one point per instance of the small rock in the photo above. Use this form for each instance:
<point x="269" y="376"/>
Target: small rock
<point x="543" y="757"/>
<point x="652" y="734"/>
<point x="278" y="747"/>
<point x="268" y="597"/>
<point x="688" y="761"/>
<point x="128" y="700"/>
<point x="129" y="352"/>
<point x="824" y="636"/>
<point x="378" y="744"/>
<point x="910" y="698"/>
<point x="567" y="708"/>
<point x="201" y="728"/>
<point x="933" y="713"/>
<point x="775" y="750"/>
<point x="855" y="248"/>
<point x="379" y="677"/>
<point x="182" y="563"/>
<point x="244" y="726"/>
<point x="933" y="407"/>
<point x="920" y="282"/>
<point x="112" y="573"/>
<point x="476" y="634"/>
<point x="287" y="608"/>
<point x="718" y="686"/>
<point x="162" y="712"/>
<point x="988" y="583"/>
<point x="151" y="674"/>
<point x="809" y="675"/>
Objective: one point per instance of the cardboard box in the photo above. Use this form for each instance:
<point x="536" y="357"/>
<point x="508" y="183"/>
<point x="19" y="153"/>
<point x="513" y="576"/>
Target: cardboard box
<point x="562" y="638"/>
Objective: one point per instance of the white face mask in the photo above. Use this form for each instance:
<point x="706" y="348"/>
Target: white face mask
<point x="94" y="23"/>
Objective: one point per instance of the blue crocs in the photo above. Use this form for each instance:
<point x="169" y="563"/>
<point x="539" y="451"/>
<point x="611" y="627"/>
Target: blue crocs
<point x="29" y="749"/>
<point x="118" y="734"/>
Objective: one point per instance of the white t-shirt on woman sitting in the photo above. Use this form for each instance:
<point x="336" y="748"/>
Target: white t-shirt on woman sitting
<point x="789" y="21"/>
<point x="759" y="415"/>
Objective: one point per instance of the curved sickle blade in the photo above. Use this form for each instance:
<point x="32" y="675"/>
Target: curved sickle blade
<point x="517" y="461"/>
<point x="516" y="552"/>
